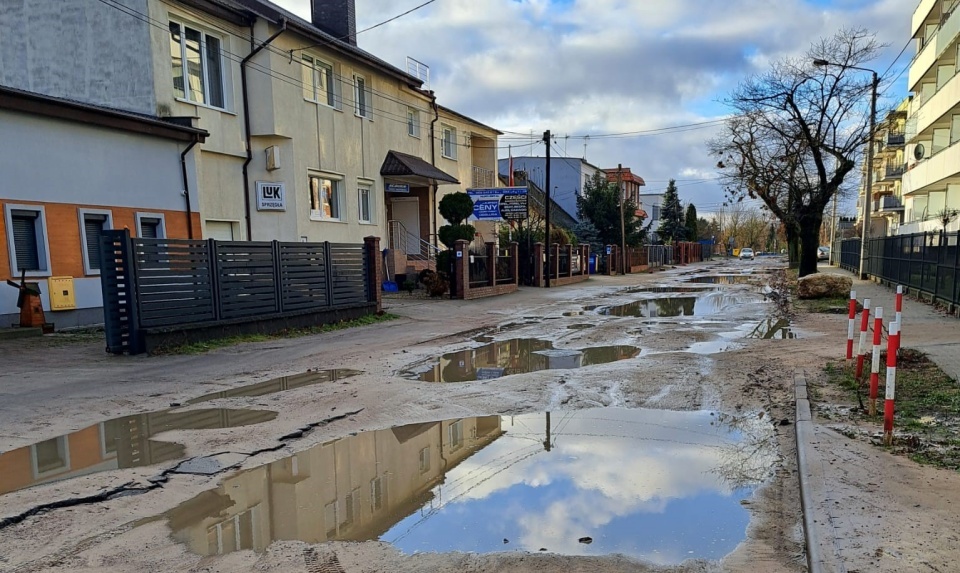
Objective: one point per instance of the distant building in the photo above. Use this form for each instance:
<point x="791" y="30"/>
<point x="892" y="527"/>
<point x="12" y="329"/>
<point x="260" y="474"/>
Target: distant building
<point x="650" y="203"/>
<point x="568" y="176"/>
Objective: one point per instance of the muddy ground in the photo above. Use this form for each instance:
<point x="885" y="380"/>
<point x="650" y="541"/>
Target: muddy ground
<point x="55" y="386"/>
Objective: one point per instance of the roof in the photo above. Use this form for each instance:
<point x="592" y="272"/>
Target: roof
<point x="272" y="12"/>
<point x="625" y="175"/>
<point x="469" y="119"/>
<point x="406" y="167"/>
<point x="176" y="128"/>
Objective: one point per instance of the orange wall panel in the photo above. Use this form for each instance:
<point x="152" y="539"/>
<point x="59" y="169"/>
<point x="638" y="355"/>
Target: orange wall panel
<point x="16" y="470"/>
<point x="85" y="448"/>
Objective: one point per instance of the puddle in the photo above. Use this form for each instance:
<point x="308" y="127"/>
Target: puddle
<point x="667" y="307"/>
<point x="655" y="485"/>
<point x="580" y="326"/>
<point x="713" y="346"/>
<point x="725" y="279"/>
<point x="515" y="356"/>
<point x="279" y="385"/>
<point x="574" y="313"/>
<point x="773" y="329"/>
<point x="669" y="289"/>
<point x="114" y="444"/>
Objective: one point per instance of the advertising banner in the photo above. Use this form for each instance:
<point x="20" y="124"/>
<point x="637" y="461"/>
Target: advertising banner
<point x="499" y="203"/>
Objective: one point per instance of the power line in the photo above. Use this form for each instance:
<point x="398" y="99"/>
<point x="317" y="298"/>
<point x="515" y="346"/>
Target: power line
<point x="414" y="9"/>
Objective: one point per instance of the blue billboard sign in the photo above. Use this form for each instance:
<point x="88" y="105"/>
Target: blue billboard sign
<point x="499" y="203"/>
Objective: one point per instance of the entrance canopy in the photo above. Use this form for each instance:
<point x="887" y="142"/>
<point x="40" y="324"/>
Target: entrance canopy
<point x="410" y="169"/>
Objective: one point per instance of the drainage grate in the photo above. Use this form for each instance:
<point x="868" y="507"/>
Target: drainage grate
<point x="326" y="563"/>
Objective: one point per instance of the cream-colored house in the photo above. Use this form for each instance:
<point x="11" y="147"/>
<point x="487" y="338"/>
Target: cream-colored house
<point x="889" y="164"/>
<point x="931" y="183"/>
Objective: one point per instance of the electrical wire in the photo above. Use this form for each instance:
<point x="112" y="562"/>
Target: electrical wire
<point x="397" y="17"/>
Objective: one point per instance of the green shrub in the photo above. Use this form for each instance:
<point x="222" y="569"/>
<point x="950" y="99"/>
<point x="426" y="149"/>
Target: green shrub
<point x="456" y="208"/>
<point x="450" y="234"/>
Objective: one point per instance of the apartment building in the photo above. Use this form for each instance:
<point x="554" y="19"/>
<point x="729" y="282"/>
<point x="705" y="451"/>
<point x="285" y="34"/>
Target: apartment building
<point x="889" y="164"/>
<point x="306" y="136"/>
<point x="931" y="182"/>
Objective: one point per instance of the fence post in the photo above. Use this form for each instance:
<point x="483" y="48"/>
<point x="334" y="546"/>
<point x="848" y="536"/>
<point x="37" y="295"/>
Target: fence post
<point x="875" y="361"/>
<point x="461" y="267"/>
<point x="491" y="263"/>
<point x="371" y="246"/>
<point x="893" y="347"/>
<point x="214" y="259"/>
<point x="569" y="249"/>
<point x="538" y="264"/>
<point x="585" y="260"/>
<point x="515" y="261"/>
<point x="328" y="265"/>
<point x="277" y="276"/>
<point x="554" y="269"/>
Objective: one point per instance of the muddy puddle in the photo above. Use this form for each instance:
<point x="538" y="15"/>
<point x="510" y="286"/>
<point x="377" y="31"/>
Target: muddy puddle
<point x="279" y="385"/>
<point x="773" y="329"/>
<point x="726" y="279"/>
<point x="114" y="444"/>
<point x="656" y="485"/>
<point x="515" y="356"/>
<point x="710" y="304"/>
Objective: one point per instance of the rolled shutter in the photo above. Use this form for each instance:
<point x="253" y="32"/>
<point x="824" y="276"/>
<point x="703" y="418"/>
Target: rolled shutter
<point x="93" y="227"/>
<point x="25" y="240"/>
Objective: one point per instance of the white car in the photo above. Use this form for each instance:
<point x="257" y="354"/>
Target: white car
<point x="746" y="254"/>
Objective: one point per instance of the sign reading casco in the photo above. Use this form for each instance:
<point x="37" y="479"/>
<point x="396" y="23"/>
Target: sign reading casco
<point x="499" y="203"/>
<point x="271" y="196"/>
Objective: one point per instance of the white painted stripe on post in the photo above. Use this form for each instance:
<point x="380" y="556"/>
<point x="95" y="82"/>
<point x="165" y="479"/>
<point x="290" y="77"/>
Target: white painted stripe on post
<point x="851" y="328"/>
<point x="891" y="382"/>
<point x="875" y="363"/>
<point x="863" y="343"/>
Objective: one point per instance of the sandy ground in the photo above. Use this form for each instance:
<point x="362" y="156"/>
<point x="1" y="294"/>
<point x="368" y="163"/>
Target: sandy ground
<point x="50" y="387"/>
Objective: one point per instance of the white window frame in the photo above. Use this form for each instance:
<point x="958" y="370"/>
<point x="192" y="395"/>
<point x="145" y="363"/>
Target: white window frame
<point x="104" y="453"/>
<point x="43" y="242"/>
<point x="81" y="214"/>
<point x="362" y="97"/>
<point x="224" y="69"/>
<point x="451" y="141"/>
<point x="35" y="461"/>
<point x="316" y="67"/>
<point x="413" y="122"/>
<point x="337" y="185"/>
<point x="161" y="228"/>
<point x="367" y="186"/>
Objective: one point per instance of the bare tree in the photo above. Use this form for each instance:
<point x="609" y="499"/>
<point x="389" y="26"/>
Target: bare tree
<point x="797" y="132"/>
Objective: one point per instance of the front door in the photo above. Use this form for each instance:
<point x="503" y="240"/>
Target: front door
<point x="407" y="211"/>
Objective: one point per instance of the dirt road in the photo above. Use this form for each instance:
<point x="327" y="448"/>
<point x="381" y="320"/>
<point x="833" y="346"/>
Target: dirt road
<point x="689" y="356"/>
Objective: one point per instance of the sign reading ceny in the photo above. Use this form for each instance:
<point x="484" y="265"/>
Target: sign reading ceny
<point x="499" y="203"/>
<point x="271" y="196"/>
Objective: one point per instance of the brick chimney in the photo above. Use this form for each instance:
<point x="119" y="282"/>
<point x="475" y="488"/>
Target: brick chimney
<point x="337" y="18"/>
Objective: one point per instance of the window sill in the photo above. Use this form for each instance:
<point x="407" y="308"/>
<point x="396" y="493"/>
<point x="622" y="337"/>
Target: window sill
<point x="320" y="104"/>
<point x="34" y="274"/>
<point x="369" y="223"/>
<point x="413" y="136"/>
<point x="325" y="220"/>
<point x="206" y="106"/>
<point x="448" y="157"/>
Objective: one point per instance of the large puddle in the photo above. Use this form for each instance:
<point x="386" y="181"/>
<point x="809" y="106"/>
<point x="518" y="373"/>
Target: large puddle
<point x="656" y="485"/>
<point x="114" y="444"/>
<point x="515" y="356"/>
<point x="712" y="303"/>
<point x="726" y="279"/>
<point x="279" y="384"/>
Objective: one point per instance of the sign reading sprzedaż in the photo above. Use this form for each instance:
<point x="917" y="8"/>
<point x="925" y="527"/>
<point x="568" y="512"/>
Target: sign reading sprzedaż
<point x="500" y="203"/>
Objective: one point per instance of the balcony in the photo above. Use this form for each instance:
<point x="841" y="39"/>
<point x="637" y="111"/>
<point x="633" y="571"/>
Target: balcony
<point x="896" y="138"/>
<point x="888" y="204"/>
<point x="920" y="14"/>
<point x="944" y="164"/>
<point x="893" y="172"/>
<point x="940" y="104"/>
<point x="484" y="178"/>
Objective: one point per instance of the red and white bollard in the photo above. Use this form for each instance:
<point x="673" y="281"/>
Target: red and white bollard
<point x="864" y="329"/>
<point x="899" y="307"/>
<point x="893" y="346"/>
<point x="852" y="325"/>
<point x="875" y="361"/>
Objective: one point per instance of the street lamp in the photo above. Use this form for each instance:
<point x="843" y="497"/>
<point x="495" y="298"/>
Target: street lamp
<point x="865" y="239"/>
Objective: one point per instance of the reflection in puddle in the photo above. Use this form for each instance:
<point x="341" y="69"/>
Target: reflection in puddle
<point x="516" y="356"/>
<point x="712" y="346"/>
<point x="773" y="328"/>
<point x="115" y="444"/>
<point x="279" y="385"/>
<point x="657" y="485"/>
<point x="580" y="326"/>
<point x="724" y="279"/>
<point x="669" y="289"/>
<point x="709" y="304"/>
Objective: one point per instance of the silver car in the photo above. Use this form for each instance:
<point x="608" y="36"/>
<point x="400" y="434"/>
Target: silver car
<point x="746" y="254"/>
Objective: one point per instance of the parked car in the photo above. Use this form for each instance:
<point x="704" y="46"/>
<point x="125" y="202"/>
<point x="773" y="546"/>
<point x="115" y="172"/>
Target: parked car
<point x="823" y="253"/>
<point x="746" y="254"/>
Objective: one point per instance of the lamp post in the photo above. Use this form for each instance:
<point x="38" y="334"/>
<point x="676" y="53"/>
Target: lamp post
<point x="865" y="238"/>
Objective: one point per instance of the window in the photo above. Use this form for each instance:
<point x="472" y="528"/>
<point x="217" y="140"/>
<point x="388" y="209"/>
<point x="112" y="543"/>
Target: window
<point x="363" y="97"/>
<point x="365" y="200"/>
<point x="449" y="142"/>
<point x="326" y="198"/>
<point x="234" y="534"/>
<point x="92" y="225"/>
<point x="50" y="456"/>
<point x="320" y="83"/>
<point x="455" y="435"/>
<point x="330" y="512"/>
<point x="656" y="213"/>
<point x="27" y="240"/>
<point x="150" y="226"/>
<point x="351" y="508"/>
<point x="376" y="493"/>
<point x="197" y="65"/>
<point x="425" y="460"/>
<point x="413" y="122"/>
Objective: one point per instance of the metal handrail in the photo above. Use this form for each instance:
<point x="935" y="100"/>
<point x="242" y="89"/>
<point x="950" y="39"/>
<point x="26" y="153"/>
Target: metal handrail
<point x="401" y="239"/>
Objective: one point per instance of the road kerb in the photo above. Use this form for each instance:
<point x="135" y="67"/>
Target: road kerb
<point x="807" y="472"/>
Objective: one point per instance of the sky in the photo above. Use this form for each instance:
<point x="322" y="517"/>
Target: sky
<point x="595" y="67"/>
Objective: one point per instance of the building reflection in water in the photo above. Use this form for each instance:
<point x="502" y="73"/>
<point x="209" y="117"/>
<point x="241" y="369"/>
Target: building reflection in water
<point x="114" y="444"/>
<point x="658" y="485"/>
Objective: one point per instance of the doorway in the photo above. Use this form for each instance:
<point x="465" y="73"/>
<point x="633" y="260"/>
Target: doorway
<point x="406" y="210"/>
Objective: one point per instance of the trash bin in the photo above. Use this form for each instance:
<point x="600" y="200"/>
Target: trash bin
<point x="593" y="264"/>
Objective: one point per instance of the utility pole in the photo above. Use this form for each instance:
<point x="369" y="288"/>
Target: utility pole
<point x="623" y="234"/>
<point x="865" y="241"/>
<point x="546" y="140"/>
<point x="833" y="229"/>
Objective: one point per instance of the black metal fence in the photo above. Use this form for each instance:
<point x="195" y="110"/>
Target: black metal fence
<point x="169" y="283"/>
<point x="926" y="263"/>
<point x="505" y="267"/>
<point x="479" y="267"/>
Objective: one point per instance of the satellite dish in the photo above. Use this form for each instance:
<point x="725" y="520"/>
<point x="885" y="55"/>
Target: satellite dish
<point x="919" y="151"/>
